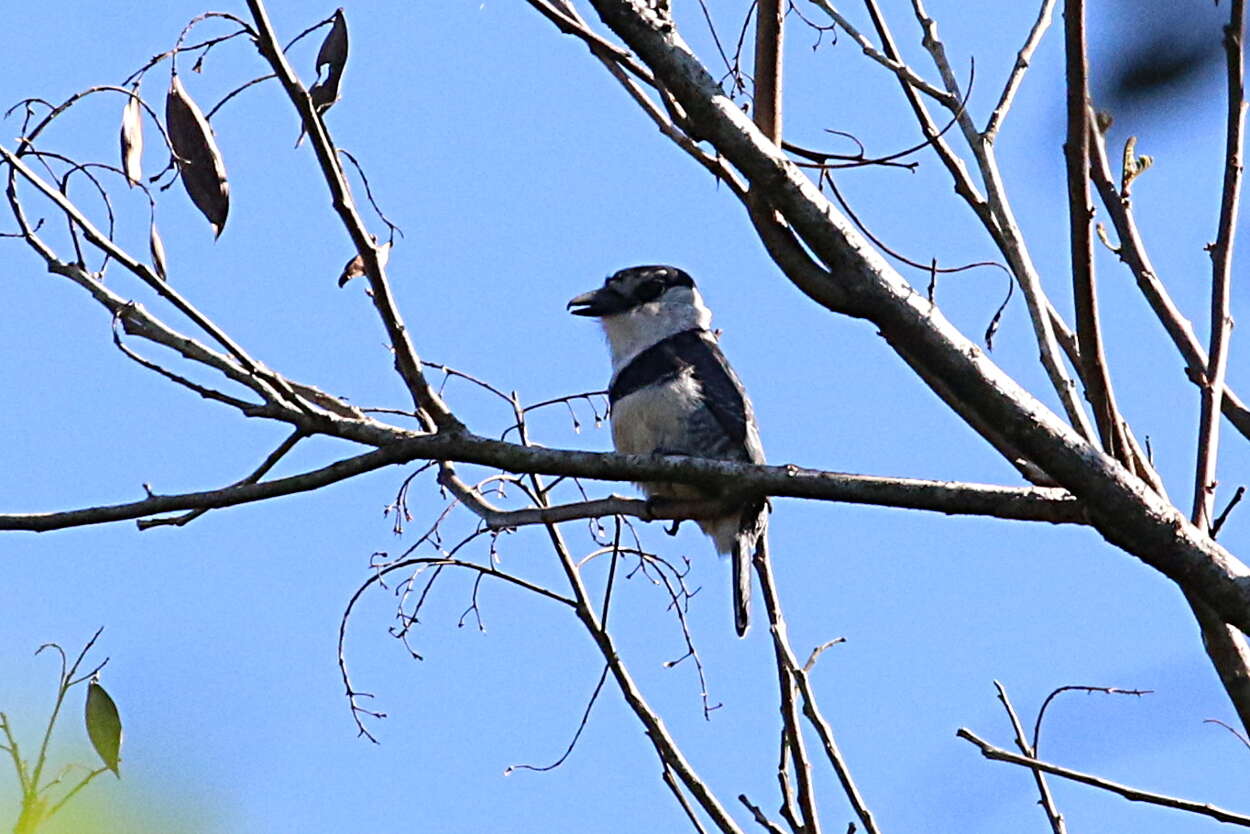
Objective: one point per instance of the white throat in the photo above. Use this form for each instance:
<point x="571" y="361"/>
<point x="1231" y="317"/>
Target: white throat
<point x="632" y="332"/>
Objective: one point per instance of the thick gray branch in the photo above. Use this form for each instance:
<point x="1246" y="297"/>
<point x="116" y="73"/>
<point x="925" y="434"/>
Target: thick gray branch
<point x="1124" y="510"/>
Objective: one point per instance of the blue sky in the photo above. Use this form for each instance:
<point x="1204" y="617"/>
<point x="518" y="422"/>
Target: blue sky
<point x="521" y="175"/>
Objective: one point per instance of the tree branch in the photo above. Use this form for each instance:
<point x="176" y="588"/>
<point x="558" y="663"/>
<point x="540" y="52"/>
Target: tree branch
<point x="1222" y="260"/>
<point x="1046" y="800"/>
<point x="1133" y="794"/>
<point x="1023" y="57"/>
<point x="407" y="362"/>
<point x="1097" y="379"/>
<point x="1132" y="251"/>
<point x="1018" y="503"/>
<point x="1122" y="508"/>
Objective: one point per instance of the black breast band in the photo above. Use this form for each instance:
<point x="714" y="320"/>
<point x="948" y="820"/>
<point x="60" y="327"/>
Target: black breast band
<point x="659" y="363"/>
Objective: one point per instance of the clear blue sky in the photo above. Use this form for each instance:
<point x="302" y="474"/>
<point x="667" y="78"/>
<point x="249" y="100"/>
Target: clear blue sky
<point x="521" y="175"/>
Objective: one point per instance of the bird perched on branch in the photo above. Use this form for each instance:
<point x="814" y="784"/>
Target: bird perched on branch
<point x="674" y="393"/>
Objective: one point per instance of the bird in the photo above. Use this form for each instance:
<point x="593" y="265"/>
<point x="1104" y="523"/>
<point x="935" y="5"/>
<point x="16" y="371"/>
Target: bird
<point x="672" y="392"/>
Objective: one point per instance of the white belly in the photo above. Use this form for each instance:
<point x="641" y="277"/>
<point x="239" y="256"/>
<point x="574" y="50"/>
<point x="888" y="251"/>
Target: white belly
<point x="655" y="419"/>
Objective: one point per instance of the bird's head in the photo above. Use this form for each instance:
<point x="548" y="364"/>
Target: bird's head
<point x="642" y="305"/>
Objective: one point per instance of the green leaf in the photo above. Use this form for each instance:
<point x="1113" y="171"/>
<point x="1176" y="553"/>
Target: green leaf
<point x="104" y="726"/>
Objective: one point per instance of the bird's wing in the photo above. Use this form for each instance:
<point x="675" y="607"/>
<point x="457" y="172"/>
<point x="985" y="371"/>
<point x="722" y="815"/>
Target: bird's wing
<point x="724" y="395"/>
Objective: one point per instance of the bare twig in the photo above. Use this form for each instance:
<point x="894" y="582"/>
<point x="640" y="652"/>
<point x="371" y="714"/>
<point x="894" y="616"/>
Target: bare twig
<point x="1105" y="690"/>
<point x="1017" y="72"/>
<point x="1221" y="259"/>
<point x="759" y="816"/>
<point x="1132" y="251"/>
<point x="1222" y="517"/>
<point x="671" y="782"/>
<point x="1133" y="794"/>
<point x="407" y="362"/>
<point x="796" y="677"/>
<point x="886" y="57"/>
<point x="769" y="20"/>
<point x="1098" y="390"/>
<point x="1047" y="801"/>
<point x="590" y="703"/>
<point x="1236" y="733"/>
<point x="271" y="460"/>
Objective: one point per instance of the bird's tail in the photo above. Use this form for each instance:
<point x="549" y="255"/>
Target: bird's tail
<point x="752" y="538"/>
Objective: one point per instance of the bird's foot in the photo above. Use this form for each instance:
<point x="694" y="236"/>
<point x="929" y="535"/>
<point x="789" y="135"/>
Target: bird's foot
<point x="657" y="504"/>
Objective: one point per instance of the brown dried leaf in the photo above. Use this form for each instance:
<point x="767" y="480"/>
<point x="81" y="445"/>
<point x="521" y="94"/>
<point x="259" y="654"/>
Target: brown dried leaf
<point x="333" y="49"/>
<point x="333" y="53"/>
<point x="356" y="266"/>
<point x="199" y="162"/>
<point x="157" y="248"/>
<point x="132" y="139"/>
<point x="325" y="93"/>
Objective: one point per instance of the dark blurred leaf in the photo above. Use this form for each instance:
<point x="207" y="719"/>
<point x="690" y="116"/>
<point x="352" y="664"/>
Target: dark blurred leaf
<point x="132" y="138"/>
<point x="104" y="726"/>
<point x="1158" y="64"/>
<point x="157" y="248"/>
<point x="199" y="162"/>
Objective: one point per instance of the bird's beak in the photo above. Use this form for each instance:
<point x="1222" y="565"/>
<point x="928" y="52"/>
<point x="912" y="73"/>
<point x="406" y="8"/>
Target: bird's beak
<point x="600" y="302"/>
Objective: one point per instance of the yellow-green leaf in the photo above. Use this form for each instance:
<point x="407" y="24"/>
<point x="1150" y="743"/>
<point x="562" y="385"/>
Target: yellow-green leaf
<point x="104" y="726"/>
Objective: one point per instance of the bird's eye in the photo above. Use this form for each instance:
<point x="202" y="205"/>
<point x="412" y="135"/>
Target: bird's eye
<point x="649" y="290"/>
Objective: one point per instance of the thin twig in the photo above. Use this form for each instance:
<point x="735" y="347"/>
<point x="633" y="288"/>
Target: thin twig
<point x="1035" y="745"/>
<point x="568" y="751"/>
<point x="1097" y="378"/>
<point x="1047" y="801"/>
<point x="407" y="361"/>
<point x="1023" y="57"/>
<point x="1133" y="794"/>
<point x="1222" y="517"/>
<point x="271" y="460"/>
<point x="1132" y="252"/>
<point x="1221" y="268"/>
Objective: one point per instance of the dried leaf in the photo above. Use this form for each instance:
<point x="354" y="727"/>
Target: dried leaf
<point x="157" y="248"/>
<point x="333" y="53"/>
<point x="333" y="49"/>
<point x="132" y="138"/>
<point x="199" y="162"/>
<point x="104" y="726"/>
<point x="356" y="266"/>
<point x="324" y="93"/>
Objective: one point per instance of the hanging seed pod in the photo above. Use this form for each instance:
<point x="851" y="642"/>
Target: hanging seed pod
<point x="199" y="161"/>
<point x="104" y="726"/>
<point x="157" y="248"/>
<point x="132" y="139"/>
